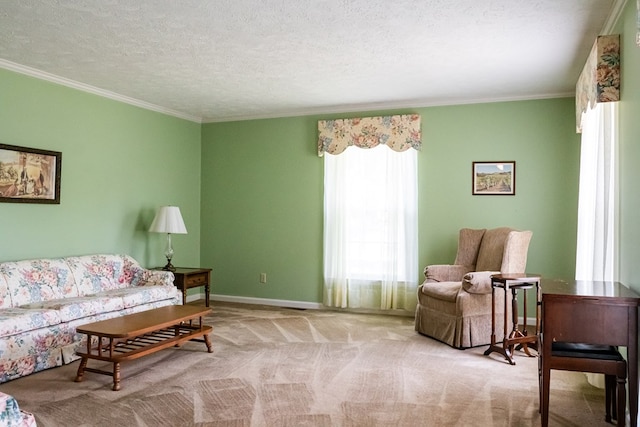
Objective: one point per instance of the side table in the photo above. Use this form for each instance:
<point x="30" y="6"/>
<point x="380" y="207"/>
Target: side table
<point x="514" y="282"/>
<point x="187" y="278"/>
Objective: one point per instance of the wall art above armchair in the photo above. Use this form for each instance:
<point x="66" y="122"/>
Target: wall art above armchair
<point x="494" y="178"/>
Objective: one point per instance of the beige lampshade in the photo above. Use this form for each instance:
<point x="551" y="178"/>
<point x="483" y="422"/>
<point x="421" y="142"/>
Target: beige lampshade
<point x="168" y="220"/>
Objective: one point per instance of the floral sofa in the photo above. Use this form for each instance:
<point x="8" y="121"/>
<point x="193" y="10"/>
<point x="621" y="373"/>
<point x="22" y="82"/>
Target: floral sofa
<point x="12" y="416"/>
<point x="42" y="301"/>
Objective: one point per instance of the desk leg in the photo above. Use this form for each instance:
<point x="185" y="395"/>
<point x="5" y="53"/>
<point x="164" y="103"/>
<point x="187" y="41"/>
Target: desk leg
<point x="544" y="389"/>
<point x="632" y="366"/>
<point x="206" y="294"/>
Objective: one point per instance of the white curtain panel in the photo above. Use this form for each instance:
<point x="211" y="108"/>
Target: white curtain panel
<point x="597" y="205"/>
<point x="371" y="229"/>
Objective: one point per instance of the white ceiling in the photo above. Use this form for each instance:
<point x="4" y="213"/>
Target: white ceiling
<point x="236" y="59"/>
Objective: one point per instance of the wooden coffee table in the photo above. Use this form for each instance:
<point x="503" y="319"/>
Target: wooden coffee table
<point x="136" y="335"/>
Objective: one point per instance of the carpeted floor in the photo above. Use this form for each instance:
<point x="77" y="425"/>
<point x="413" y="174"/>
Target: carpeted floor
<point x="286" y="367"/>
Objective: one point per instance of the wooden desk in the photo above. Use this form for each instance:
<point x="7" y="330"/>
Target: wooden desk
<point x="592" y="313"/>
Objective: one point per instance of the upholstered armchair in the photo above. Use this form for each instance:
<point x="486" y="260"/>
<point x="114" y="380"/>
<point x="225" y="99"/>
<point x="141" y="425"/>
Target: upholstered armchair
<point x="454" y="302"/>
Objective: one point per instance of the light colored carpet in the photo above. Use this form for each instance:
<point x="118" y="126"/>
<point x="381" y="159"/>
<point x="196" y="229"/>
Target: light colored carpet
<point x="286" y="367"/>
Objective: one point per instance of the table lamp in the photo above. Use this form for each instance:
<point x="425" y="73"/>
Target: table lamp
<point x="168" y="220"/>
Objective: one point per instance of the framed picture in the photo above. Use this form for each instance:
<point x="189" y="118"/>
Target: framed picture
<point x="29" y="175"/>
<point x="494" y="178"/>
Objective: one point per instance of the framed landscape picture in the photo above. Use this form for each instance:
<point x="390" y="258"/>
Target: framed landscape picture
<point x="29" y="175"/>
<point x="494" y="178"/>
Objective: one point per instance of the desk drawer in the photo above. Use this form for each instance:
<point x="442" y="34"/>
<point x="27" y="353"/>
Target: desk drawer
<point x="198" y="279"/>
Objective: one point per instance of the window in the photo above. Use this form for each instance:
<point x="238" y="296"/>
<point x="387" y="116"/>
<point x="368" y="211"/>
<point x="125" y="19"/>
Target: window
<point x="596" y="257"/>
<point x="370" y="228"/>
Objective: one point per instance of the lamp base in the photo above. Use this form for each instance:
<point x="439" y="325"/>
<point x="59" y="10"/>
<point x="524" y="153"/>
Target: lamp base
<point x="169" y="266"/>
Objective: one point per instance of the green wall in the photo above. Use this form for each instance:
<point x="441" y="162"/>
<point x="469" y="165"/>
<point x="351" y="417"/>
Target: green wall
<point x="629" y="150"/>
<point x="119" y="163"/>
<point x="262" y="192"/>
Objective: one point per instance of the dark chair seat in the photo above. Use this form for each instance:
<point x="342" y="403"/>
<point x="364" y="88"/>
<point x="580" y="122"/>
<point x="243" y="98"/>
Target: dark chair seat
<point x="590" y="351"/>
<point x="592" y="358"/>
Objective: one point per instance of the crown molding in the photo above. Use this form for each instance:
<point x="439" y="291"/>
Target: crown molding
<point x="43" y="75"/>
<point x="614" y="16"/>
<point x="326" y="110"/>
<point x="395" y="105"/>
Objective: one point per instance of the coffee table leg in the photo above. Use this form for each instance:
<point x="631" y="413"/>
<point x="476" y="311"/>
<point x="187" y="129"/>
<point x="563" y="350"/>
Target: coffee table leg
<point x="207" y="341"/>
<point x="116" y="376"/>
<point x="80" y="374"/>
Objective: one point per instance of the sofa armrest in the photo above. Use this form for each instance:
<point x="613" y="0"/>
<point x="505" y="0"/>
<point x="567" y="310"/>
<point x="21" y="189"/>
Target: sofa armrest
<point x="157" y="278"/>
<point x="446" y="273"/>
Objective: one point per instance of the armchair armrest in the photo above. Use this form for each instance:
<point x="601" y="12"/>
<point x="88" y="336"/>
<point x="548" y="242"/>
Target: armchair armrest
<point x="478" y="282"/>
<point x="446" y="273"/>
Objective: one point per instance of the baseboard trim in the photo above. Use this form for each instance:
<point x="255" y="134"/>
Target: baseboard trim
<point x="267" y="301"/>
<point x="289" y="303"/>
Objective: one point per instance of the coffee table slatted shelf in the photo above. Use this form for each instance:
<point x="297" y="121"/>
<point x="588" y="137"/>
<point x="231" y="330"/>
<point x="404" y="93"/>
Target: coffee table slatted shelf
<point x="136" y="335"/>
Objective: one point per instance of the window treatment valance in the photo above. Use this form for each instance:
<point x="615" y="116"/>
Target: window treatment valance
<point x="600" y="77"/>
<point x="398" y="132"/>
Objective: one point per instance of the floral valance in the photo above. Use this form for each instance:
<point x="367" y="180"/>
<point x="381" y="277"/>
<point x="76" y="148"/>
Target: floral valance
<point x="600" y="78"/>
<point x="398" y="132"/>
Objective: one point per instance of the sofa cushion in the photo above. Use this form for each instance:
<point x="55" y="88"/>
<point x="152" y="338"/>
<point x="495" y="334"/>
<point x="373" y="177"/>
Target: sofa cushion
<point x="77" y="308"/>
<point x="97" y="273"/>
<point x="478" y="282"/>
<point x="140" y="295"/>
<point x="17" y="320"/>
<point x="38" y="280"/>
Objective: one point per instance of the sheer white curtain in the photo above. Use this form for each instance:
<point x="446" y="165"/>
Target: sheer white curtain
<point x="371" y="228"/>
<point x="596" y="257"/>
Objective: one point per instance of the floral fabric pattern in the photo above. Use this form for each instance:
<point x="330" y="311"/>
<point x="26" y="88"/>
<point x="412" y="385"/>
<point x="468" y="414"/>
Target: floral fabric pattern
<point x="43" y="301"/>
<point x="133" y="297"/>
<point x="30" y="352"/>
<point x="600" y="77"/>
<point x="11" y="415"/>
<point x="18" y="320"/>
<point x="38" y="280"/>
<point x="96" y="273"/>
<point x="5" y="295"/>
<point x="80" y="308"/>
<point x="397" y="132"/>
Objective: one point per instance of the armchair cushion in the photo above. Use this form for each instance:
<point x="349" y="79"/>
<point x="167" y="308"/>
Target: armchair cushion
<point x="478" y="282"/>
<point x="492" y="249"/>
<point x="443" y="291"/>
<point x="469" y="246"/>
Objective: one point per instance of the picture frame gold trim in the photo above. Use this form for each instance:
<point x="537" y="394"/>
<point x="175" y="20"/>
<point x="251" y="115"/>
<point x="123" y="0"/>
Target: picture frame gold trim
<point x="29" y="175"/>
<point x="494" y="178"/>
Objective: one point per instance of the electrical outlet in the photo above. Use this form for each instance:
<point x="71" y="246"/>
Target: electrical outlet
<point x="263" y="277"/>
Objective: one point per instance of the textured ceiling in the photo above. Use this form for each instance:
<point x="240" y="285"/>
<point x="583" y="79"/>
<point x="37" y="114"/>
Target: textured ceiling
<point x="234" y="59"/>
